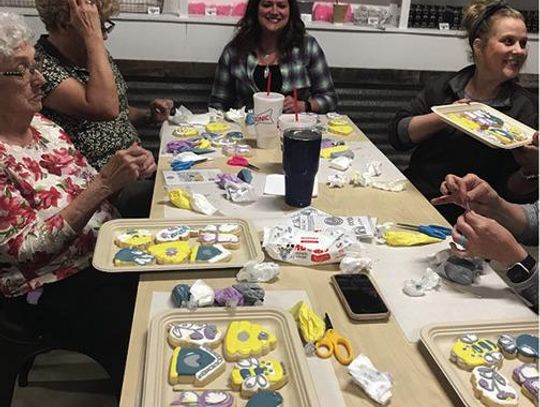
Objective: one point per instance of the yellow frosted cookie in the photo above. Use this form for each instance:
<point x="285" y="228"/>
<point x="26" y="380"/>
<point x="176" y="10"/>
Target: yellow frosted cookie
<point x="338" y="121"/>
<point x="170" y="252"/>
<point x="217" y="127"/>
<point x="343" y="130"/>
<point x="185" y="131"/>
<point x="246" y="339"/>
<point x="469" y="351"/>
<point x="250" y="376"/>
<point x="135" y="239"/>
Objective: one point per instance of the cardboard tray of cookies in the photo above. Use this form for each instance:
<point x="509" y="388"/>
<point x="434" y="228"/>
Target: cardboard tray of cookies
<point x="457" y="349"/>
<point x="486" y="124"/>
<point x="248" y="355"/>
<point x="142" y="245"/>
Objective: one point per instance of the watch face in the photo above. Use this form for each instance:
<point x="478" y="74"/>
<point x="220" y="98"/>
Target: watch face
<point x="518" y="273"/>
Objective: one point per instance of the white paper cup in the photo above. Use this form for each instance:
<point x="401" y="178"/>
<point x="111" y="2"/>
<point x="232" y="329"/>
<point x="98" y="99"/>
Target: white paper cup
<point x="305" y="121"/>
<point x="267" y="108"/>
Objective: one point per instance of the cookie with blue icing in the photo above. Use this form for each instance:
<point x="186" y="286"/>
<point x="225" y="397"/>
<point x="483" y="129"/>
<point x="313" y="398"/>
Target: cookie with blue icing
<point x="209" y="254"/>
<point x="133" y="257"/>
<point x="197" y="366"/>
<point x="266" y="399"/>
<point x="470" y="351"/>
<point x="527" y="348"/>
<point x="508" y="346"/>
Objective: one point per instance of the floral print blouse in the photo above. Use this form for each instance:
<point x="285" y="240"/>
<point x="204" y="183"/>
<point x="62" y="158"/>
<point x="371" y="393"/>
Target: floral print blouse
<point x="37" y="246"/>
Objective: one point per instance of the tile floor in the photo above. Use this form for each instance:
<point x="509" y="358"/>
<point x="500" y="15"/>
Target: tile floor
<point x="65" y="379"/>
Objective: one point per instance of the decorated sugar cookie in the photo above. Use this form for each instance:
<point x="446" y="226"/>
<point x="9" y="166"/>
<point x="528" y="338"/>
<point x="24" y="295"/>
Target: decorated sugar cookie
<point x="527" y="377"/>
<point x="207" y="398"/>
<point x="209" y="254"/>
<point x="508" y="346"/>
<point x="228" y="228"/>
<point x="133" y="257"/>
<point x="266" y="398"/>
<point x="227" y="240"/>
<point x="246" y="339"/>
<point x="469" y="351"/>
<point x="341" y="129"/>
<point x="189" y="335"/>
<point x="492" y="388"/>
<point x="217" y="127"/>
<point x="135" y="239"/>
<point x="198" y="366"/>
<point x="185" y="131"/>
<point x="527" y="348"/>
<point x="171" y="252"/>
<point x="173" y="233"/>
<point x="251" y="375"/>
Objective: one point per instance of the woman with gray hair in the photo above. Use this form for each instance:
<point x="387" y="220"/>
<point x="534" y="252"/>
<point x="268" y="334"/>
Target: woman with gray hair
<point x="85" y="92"/>
<point x="52" y="203"/>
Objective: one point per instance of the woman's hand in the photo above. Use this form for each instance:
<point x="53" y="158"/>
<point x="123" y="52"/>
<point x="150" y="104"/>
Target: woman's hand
<point x="85" y="19"/>
<point x="288" y="105"/>
<point x="527" y="156"/>
<point x="160" y="109"/>
<point x="484" y="237"/>
<point x="149" y="166"/>
<point x="124" y="167"/>
<point x="469" y="192"/>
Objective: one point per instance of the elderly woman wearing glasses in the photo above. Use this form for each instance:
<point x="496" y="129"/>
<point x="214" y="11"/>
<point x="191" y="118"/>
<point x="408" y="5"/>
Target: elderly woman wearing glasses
<point x="52" y="202"/>
<point x="85" y="92"/>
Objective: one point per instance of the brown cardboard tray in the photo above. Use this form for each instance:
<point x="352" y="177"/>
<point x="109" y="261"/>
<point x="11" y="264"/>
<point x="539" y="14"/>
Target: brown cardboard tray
<point x="250" y="247"/>
<point x="299" y="390"/>
<point x="445" y="110"/>
<point x="439" y="338"/>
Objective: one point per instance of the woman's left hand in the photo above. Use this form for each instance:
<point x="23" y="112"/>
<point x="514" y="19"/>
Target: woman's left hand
<point x="484" y="237"/>
<point x="160" y="109"/>
<point x="288" y="105"/>
<point x="527" y="156"/>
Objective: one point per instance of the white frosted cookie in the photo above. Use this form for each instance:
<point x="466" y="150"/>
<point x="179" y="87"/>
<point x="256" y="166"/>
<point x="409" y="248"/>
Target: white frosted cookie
<point x="469" y="351"/>
<point x="135" y="239"/>
<point x="188" y="334"/>
<point x="249" y="376"/>
<point x="173" y="233"/>
<point x="229" y="228"/>
<point x="492" y="388"/>
<point x="227" y="240"/>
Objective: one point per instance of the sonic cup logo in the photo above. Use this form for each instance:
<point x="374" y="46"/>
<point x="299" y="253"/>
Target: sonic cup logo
<point x="264" y="117"/>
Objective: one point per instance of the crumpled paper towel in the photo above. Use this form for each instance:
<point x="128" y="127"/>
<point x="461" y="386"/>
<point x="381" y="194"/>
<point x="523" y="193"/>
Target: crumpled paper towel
<point x="417" y="287"/>
<point x="254" y="272"/>
<point x="376" y="384"/>
<point x="355" y="260"/>
<point x="373" y="170"/>
<point x="240" y="192"/>
<point x="337" y="180"/>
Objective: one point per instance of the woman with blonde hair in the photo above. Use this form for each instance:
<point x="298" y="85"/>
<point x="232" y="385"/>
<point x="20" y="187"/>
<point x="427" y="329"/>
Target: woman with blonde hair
<point x="497" y="37"/>
<point x="85" y="92"/>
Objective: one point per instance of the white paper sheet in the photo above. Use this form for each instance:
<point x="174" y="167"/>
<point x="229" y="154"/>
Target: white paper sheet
<point x="322" y="371"/>
<point x="275" y="185"/>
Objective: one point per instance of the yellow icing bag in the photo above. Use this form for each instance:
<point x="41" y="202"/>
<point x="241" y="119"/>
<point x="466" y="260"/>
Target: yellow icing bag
<point x="327" y="152"/>
<point x="180" y="198"/>
<point x="205" y="144"/>
<point x="311" y="326"/>
<point x="340" y="121"/>
<point x="407" y="238"/>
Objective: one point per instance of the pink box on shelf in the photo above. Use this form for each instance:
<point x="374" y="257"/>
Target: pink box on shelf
<point x="197" y="9"/>
<point x="239" y="9"/>
<point x="323" y="11"/>
<point x="224" y="9"/>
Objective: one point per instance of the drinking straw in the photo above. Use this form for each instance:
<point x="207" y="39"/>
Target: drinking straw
<point x="295" y="95"/>
<point x="268" y="83"/>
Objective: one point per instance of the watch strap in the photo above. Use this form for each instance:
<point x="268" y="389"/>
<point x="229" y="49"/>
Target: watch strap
<point x="522" y="270"/>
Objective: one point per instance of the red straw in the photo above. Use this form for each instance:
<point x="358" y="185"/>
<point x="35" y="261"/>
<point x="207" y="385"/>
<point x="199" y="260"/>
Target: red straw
<point x="268" y="83"/>
<point x="295" y="95"/>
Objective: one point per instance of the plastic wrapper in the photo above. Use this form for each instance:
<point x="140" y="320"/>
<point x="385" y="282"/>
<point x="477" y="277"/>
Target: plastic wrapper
<point x="376" y="384"/>
<point x="202" y="294"/>
<point x="224" y="178"/>
<point x="340" y="163"/>
<point x="417" y="287"/>
<point x="180" y="295"/>
<point x="245" y="175"/>
<point x="293" y="245"/>
<point x="240" y="192"/>
<point x="253" y="293"/>
<point x="337" y="180"/>
<point x="311" y="326"/>
<point x="456" y="269"/>
<point x="258" y="272"/>
<point x="229" y="297"/>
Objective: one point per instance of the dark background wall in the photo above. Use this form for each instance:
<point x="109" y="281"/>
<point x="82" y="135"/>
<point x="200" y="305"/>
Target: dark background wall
<point x="369" y="97"/>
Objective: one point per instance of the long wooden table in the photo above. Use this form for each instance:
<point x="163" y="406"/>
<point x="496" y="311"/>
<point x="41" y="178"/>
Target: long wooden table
<point x="416" y="381"/>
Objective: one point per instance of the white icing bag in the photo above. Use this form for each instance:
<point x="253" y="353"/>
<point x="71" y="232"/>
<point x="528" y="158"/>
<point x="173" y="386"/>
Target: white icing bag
<point x="201" y="294"/>
<point x="341" y="163"/>
<point x="417" y="287"/>
<point x="254" y="272"/>
<point x="376" y="384"/>
<point x="199" y="203"/>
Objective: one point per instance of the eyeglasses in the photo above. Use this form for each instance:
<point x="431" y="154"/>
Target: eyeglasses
<point x="31" y="69"/>
<point x="108" y="26"/>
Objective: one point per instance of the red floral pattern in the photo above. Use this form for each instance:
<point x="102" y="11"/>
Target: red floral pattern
<point x="36" y="183"/>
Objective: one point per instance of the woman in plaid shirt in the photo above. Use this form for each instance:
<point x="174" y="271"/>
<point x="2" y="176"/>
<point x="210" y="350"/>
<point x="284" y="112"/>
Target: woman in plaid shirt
<point x="271" y="38"/>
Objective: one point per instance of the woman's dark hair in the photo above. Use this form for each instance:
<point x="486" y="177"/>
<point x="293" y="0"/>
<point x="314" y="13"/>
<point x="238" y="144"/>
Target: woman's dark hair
<point x="248" y="36"/>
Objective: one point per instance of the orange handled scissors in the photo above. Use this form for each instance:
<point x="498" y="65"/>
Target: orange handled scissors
<point x="334" y="343"/>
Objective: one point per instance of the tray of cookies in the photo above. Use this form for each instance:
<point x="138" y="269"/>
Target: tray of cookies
<point x="142" y="245"/>
<point x="486" y="124"/>
<point x="251" y="356"/>
<point x="488" y="364"/>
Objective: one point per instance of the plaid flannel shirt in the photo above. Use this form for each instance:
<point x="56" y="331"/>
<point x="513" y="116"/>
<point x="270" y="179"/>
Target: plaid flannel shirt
<point x="234" y="85"/>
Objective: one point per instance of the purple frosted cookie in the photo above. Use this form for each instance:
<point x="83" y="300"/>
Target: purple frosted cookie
<point x="204" y="399"/>
<point x="527" y="376"/>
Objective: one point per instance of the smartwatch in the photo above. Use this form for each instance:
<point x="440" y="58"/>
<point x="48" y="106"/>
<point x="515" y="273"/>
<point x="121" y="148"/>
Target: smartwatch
<point x="522" y="270"/>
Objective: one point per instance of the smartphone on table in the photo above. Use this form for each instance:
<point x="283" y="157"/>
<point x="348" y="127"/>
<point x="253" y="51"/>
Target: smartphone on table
<point x="359" y="297"/>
